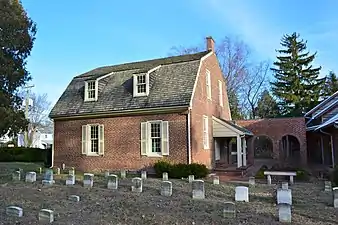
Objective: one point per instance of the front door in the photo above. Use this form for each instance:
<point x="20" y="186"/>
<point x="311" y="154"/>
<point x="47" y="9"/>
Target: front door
<point x="217" y="151"/>
<point x="233" y="153"/>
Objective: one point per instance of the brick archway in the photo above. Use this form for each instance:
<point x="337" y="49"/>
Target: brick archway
<point x="275" y="129"/>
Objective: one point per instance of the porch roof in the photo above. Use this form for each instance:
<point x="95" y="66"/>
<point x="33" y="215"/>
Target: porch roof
<point x="225" y="128"/>
<point x="330" y="122"/>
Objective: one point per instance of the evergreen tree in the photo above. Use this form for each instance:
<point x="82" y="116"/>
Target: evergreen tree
<point x="267" y="107"/>
<point x="297" y="86"/>
<point x="234" y="106"/>
<point x="17" y="32"/>
<point x="331" y="84"/>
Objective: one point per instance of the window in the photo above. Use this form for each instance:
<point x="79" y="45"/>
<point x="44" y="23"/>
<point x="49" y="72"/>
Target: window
<point x="205" y="132"/>
<point x="93" y="139"/>
<point x="141" y="84"/>
<point x="91" y="91"/>
<point x="208" y="84"/>
<point x="220" y="93"/>
<point x="155" y="138"/>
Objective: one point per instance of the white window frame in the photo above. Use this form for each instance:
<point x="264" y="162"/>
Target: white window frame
<point x="87" y="98"/>
<point x="208" y="84"/>
<point x="206" y="144"/>
<point x="220" y="92"/>
<point x="150" y="138"/>
<point x="136" y="84"/>
<point x="86" y="142"/>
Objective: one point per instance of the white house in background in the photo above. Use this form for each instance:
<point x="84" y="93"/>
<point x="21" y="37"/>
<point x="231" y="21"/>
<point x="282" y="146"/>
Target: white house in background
<point x="40" y="140"/>
<point x="5" y="139"/>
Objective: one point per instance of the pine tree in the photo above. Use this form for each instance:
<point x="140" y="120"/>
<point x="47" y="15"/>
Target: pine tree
<point x="331" y="84"/>
<point x="267" y="107"/>
<point x="297" y="86"/>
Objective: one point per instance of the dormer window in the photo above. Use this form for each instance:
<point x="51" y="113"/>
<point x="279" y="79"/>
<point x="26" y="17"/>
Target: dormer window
<point x="91" y="90"/>
<point x="141" y="84"/>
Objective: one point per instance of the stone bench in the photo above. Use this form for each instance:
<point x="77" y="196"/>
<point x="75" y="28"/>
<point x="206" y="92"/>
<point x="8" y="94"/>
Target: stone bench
<point x="279" y="173"/>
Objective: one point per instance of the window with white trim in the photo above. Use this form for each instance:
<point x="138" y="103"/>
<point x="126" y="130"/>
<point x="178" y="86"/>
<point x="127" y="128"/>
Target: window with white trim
<point x="93" y="139"/>
<point x="220" y="92"/>
<point x="208" y="83"/>
<point x="91" y="90"/>
<point x="141" y="84"/>
<point x="205" y="132"/>
<point x="155" y="138"/>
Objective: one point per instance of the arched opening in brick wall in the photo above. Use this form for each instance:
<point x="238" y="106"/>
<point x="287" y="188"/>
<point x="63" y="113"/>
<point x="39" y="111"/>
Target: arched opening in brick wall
<point x="290" y="149"/>
<point x="263" y="147"/>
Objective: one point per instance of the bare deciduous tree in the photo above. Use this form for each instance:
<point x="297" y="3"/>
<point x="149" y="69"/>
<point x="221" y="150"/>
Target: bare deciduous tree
<point x="38" y="112"/>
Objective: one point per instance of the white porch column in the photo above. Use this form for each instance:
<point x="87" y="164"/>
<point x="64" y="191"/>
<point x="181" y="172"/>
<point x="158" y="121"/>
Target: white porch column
<point x="239" y="152"/>
<point x="244" y="151"/>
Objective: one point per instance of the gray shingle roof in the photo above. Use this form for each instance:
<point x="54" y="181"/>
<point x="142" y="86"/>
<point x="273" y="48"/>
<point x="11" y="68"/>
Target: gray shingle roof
<point x="170" y="85"/>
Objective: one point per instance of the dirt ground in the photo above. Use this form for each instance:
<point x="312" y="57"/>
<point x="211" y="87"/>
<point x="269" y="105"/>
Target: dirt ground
<point x="311" y="205"/>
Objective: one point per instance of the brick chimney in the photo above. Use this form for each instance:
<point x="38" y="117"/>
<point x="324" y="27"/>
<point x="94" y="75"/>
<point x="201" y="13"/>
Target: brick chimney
<point x="210" y="44"/>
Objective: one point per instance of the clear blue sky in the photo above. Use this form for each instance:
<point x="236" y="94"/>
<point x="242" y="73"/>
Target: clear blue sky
<point x="75" y="36"/>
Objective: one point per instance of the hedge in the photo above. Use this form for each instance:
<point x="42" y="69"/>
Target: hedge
<point x="21" y="154"/>
<point x="180" y="170"/>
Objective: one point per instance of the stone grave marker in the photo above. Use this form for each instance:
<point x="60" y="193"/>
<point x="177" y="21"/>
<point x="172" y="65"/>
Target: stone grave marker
<point x="48" y="179"/>
<point x="58" y="171"/>
<point x="63" y="166"/>
<point x="165" y="176"/>
<point x="136" y="184"/>
<point x="70" y="180"/>
<point x="144" y="175"/>
<point x="71" y="171"/>
<point x="14" y="211"/>
<point x="106" y="173"/>
<point x="198" y="189"/>
<point x="215" y="179"/>
<point x="74" y="198"/>
<point x="30" y="177"/>
<point x="229" y="210"/>
<point x="112" y="182"/>
<point x="284" y="213"/>
<point x="327" y="186"/>
<point x="241" y="194"/>
<point x="252" y="181"/>
<point x="284" y="196"/>
<point x="16" y="175"/>
<point x="40" y="170"/>
<point x="335" y="197"/>
<point x="46" y="215"/>
<point x="166" y="188"/>
<point x="123" y="174"/>
<point x="88" y="180"/>
<point x="285" y="185"/>
<point x="191" y="178"/>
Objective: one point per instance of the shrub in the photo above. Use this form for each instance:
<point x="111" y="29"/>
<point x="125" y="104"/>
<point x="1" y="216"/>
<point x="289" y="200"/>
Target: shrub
<point x="20" y="154"/>
<point x="162" y="166"/>
<point x="180" y="170"/>
<point x="260" y="172"/>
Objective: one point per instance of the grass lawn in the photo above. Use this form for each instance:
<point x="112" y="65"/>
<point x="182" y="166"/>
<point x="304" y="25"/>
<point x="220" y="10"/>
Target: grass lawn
<point x="311" y="205"/>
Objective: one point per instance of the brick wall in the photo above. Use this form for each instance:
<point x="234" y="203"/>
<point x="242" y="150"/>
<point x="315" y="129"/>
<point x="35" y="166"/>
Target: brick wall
<point x="122" y="142"/>
<point x="275" y="129"/>
<point x="202" y="106"/>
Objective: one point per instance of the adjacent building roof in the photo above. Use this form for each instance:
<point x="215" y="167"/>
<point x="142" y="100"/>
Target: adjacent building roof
<point x="170" y="85"/>
<point x="230" y="124"/>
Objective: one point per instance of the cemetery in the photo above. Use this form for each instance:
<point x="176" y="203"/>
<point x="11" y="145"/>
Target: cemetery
<point x="31" y="195"/>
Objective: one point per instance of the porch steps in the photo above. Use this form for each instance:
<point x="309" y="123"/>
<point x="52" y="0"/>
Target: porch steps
<point x="231" y="173"/>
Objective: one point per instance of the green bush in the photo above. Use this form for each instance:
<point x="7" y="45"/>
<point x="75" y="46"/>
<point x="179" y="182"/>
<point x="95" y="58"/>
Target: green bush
<point x="20" y="154"/>
<point x="180" y="170"/>
<point x="260" y="172"/>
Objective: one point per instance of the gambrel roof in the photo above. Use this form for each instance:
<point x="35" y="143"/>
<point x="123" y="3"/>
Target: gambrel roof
<point x="171" y="85"/>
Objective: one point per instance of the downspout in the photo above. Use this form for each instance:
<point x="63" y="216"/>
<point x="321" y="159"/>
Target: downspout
<point x="332" y="148"/>
<point x="189" y="134"/>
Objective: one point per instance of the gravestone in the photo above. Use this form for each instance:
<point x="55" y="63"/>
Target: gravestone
<point x="58" y="171"/>
<point x="63" y="166"/>
<point x="269" y="179"/>
<point x="327" y="186"/>
<point x="70" y="180"/>
<point x="74" y="198"/>
<point x="165" y="176"/>
<point x="242" y="194"/>
<point x="166" y="188"/>
<point x="285" y="185"/>
<point x="229" y="210"/>
<point x="252" y="181"/>
<point x="71" y="171"/>
<point x="16" y="175"/>
<point x="136" y="184"/>
<point x="40" y="170"/>
<point x="106" y="173"/>
<point x="46" y="215"/>
<point x="191" y="178"/>
<point x="88" y="180"/>
<point x="198" y="189"/>
<point x="112" y="181"/>
<point x="14" y="211"/>
<point x="284" y="213"/>
<point x="144" y="175"/>
<point x="284" y="196"/>
<point x="48" y="179"/>
<point x="335" y="197"/>
<point x="21" y="173"/>
<point x="123" y="174"/>
<point x="215" y="179"/>
<point x="30" y="177"/>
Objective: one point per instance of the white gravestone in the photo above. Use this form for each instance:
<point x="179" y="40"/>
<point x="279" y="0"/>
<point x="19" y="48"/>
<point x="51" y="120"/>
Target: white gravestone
<point x="58" y="171"/>
<point x="229" y="210"/>
<point x="284" y="213"/>
<point x="63" y="166"/>
<point x="136" y="184"/>
<point x="144" y="175"/>
<point x="335" y="197"/>
<point x="191" y="178"/>
<point x="14" y="211"/>
<point x="215" y="179"/>
<point x="40" y="170"/>
<point x="30" y="177"/>
<point x="112" y="181"/>
<point x="252" y="181"/>
<point x="198" y="189"/>
<point x="88" y="180"/>
<point x="165" y="176"/>
<point x="327" y="186"/>
<point x="74" y="198"/>
<point x="46" y="215"/>
<point x="48" y="179"/>
<point x="284" y="196"/>
<point x="166" y="188"/>
<point x="106" y="173"/>
<point x="71" y="171"/>
<point x="70" y="180"/>
<point x="242" y="194"/>
<point x="16" y="175"/>
<point x="285" y="185"/>
<point x="123" y="174"/>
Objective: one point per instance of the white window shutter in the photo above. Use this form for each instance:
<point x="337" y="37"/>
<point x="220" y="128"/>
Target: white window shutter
<point x="96" y="90"/>
<point x="86" y="92"/>
<point x="84" y="140"/>
<point x="101" y="139"/>
<point x="144" y="138"/>
<point x="134" y="85"/>
<point x="165" y="137"/>
<point x="207" y="132"/>
<point x="147" y="83"/>
<point x="220" y="87"/>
